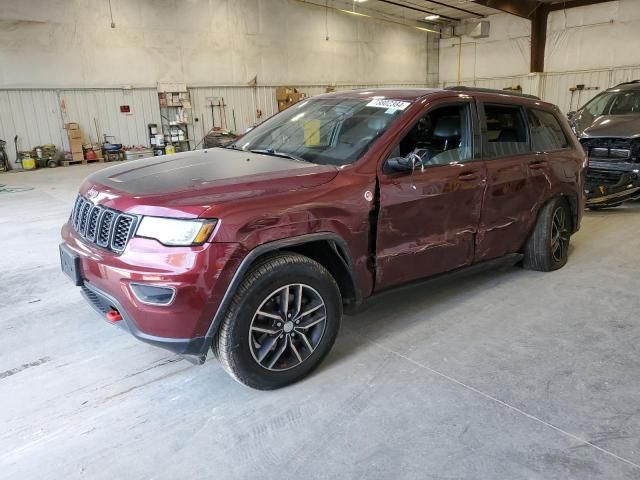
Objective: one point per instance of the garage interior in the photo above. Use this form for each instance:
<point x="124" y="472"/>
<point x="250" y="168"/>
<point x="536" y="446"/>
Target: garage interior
<point x="503" y="374"/>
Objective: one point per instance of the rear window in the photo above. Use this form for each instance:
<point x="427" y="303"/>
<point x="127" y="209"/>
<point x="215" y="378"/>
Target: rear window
<point x="546" y="132"/>
<point x="506" y="131"/>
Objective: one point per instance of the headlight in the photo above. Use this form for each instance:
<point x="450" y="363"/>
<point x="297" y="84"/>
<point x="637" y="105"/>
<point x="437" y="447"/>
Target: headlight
<point x="176" y="232"/>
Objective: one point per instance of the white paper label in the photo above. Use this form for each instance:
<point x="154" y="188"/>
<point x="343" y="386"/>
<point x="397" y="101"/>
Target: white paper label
<point x="388" y="104"/>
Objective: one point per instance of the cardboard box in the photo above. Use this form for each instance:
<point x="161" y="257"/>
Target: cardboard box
<point x="77" y="156"/>
<point x="72" y="126"/>
<point x="282" y="105"/>
<point x="74" y="134"/>
<point x="75" y="145"/>
<point x="283" y="93"/>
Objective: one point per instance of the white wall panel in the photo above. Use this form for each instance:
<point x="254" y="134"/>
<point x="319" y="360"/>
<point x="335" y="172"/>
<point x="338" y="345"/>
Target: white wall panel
<point x="33" y="115"/>
<point x="102" y="107"/>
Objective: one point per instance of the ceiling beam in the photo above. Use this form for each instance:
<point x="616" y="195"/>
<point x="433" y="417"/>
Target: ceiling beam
<point x="575" y="3"/>
<point x="519" y="8"/>
<point x="416" y="9"/>
<point x="460" y="9"/>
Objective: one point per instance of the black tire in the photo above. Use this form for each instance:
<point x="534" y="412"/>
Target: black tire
<point x="234" y="345"/>
<point x="540" y="251"/>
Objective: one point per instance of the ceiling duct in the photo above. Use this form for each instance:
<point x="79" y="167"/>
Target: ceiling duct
<point x="473" y="29"/>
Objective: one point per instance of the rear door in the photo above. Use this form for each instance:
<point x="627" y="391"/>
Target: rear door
<point x="510" y="196"/>
<point x="428" y="218"/>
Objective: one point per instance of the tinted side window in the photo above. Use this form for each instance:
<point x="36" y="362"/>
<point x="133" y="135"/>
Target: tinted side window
<point x="546" y="132"/>
<point x="441" y="136"/>
<point x="506" y="131"/>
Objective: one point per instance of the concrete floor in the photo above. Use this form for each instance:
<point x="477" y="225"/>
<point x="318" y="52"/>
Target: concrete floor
<point x="505" y="375"/>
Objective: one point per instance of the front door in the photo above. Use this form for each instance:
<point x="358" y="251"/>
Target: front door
<point x="428" y="217"/>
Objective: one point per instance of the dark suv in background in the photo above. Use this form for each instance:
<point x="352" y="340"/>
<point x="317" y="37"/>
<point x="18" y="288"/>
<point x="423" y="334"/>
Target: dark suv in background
<point x="608" y="127"/>
<point x="255" y="249"/>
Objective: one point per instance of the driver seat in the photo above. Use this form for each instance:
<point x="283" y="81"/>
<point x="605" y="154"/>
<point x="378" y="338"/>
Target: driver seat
<point x="447" y="132"/>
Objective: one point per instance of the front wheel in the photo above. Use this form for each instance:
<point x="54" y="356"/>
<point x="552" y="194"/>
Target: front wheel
<point x="282" y="322"/>
<point x="547" y="248"/>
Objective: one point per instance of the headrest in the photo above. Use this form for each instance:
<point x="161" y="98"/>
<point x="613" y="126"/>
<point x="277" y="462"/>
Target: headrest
<point x="447" y="127"/>
<point x="508" y="135"/>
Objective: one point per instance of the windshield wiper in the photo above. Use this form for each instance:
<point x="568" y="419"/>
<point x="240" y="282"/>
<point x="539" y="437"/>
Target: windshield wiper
<point x="274" y="153"/>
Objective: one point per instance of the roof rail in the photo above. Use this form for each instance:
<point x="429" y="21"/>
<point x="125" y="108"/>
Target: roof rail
<point x="462" y="88"/>
<point x="630" y="82"/>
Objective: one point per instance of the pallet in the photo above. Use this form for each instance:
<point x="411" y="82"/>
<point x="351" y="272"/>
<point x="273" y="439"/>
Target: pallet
<point x="67" y="163"/>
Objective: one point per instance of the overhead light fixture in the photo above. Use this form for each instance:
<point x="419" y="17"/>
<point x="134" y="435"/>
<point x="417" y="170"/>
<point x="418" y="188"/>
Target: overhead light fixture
<point x="359" y="1"/>
<point x="354" y="13"/>
<point x="432" y="17"/>
<point x="427" y="30"/>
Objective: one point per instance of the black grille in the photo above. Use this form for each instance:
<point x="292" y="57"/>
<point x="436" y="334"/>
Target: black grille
<point x="612" y="149"/>
<point x="102" y="226"/>
<point x="121" y="232"/>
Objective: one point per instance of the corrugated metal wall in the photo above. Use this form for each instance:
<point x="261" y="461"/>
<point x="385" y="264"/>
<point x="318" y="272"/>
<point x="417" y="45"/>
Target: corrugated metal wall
<point x="98" y="113"/>
<point x="33" y="115"/>
<point x="38" y="116"/>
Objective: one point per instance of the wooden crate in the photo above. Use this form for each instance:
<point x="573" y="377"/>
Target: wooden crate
<point x="67" y="163"/>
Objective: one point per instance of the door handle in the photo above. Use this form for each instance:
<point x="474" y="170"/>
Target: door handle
<point x="468" y="176"/>
<point x="537" y="164"/>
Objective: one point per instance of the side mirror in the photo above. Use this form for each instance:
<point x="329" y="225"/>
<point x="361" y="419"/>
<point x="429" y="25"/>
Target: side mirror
<point x="571" y="115"/>
<point x="399" y="164"/>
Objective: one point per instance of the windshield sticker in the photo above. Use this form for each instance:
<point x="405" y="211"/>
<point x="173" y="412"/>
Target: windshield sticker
<point x="392" y="105"/>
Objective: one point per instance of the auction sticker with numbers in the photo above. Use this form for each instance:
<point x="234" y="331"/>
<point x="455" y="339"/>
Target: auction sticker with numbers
<point x="389" y="104"/>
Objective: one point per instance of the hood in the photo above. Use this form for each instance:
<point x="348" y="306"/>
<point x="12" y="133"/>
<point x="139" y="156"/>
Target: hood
<point x="187" y="184"/>
<point x="613" y="126"/>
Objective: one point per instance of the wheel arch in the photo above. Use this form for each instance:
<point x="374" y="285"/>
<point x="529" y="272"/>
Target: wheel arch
<point x="327" y="248"/>
<point x="572" y="203"/>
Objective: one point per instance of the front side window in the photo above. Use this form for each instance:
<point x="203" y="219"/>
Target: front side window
<point x="505" y="131"/>
<point x="546" y="132"/>
<point x="330" y="131"/>
<point x="440" y="137"/>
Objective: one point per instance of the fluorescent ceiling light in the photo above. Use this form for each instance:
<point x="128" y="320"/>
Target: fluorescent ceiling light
<point x="427" y="30"/>
<point x="354" y="13"/>
<point x="432" y="17"/>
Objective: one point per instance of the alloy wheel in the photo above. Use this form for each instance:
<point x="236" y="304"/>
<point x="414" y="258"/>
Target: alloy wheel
<point x="559" y="234"/>
<point x="287" y="327"/>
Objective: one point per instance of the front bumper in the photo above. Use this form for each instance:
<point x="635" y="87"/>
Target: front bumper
<point x="199" y="275"/>
<point x="611" y="184"/>
<point x="102" y="303"/>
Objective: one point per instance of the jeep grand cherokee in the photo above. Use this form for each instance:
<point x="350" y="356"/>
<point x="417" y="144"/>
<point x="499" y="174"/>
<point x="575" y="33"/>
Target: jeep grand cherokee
<point x="254" y="250"/>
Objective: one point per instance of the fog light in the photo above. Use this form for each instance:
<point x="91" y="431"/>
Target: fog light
<point x="152" y="294"/>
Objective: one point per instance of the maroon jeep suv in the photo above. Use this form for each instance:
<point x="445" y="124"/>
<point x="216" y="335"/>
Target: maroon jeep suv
<point x="255" y="249"/>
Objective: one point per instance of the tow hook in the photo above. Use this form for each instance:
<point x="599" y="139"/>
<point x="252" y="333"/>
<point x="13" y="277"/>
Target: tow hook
<point x="113" y="316"/>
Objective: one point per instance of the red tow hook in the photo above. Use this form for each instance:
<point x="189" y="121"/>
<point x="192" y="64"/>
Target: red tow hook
<point x="113" y="316"/>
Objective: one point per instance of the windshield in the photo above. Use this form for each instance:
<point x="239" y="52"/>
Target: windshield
<point x="614" y="103"/>
<point x="331" y="131"/>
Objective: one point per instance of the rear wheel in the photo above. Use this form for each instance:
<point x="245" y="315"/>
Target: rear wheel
<point x="281" y="323"/>
<point x="547" y="248"/>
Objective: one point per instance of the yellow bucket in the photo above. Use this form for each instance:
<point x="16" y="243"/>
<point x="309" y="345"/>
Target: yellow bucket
<point x="169" y="150"/>
<point x="28" y="163"/>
